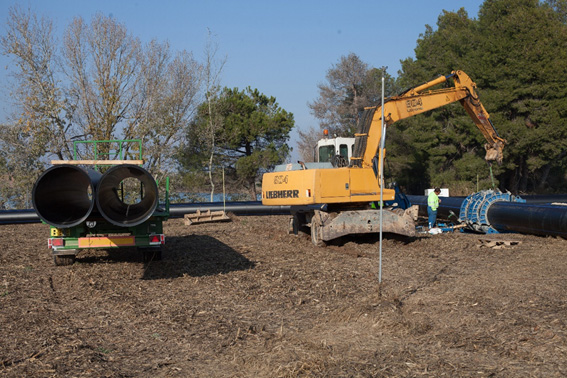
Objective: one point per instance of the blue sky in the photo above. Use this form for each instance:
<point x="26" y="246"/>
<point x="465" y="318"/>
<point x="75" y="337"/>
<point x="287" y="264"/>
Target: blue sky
<point x="283" y="48"/>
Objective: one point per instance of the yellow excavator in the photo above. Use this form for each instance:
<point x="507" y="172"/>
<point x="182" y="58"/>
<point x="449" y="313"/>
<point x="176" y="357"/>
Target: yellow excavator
<point x="336" y="201"/>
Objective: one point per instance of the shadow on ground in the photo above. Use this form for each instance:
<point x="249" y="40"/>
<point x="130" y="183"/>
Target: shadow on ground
<point x="196" y="256"/>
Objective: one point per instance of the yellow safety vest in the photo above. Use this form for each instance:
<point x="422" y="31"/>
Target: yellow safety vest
<point x="433" y="201"/>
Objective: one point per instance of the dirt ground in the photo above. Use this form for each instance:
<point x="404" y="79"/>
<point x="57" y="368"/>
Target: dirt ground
<point x="245" y="299"/>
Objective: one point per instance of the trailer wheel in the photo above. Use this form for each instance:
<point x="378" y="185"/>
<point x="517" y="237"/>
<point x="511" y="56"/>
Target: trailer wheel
<point x="150" y="253"/>
<point x="62" y="260"/>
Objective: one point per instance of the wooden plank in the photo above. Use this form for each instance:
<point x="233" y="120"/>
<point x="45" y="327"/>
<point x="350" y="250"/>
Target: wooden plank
<point x="97" y="162"/>
<point x="205" y="216"/>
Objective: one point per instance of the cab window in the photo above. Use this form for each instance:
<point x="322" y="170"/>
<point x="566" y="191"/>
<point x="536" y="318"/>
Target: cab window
<point x="326" y="153"/>
<point x="343" y="151"/>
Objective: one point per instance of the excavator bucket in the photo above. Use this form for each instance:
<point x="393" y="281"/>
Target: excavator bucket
<point x="494" y="152"/>
<point x="335" y="225"/>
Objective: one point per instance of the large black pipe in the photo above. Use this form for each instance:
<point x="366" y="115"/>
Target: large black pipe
<point x="240" y="208"/>
<point x="18" y="216"/>
<point x="536" y="219"/>
<point x="109" y="196"/>
<point x="537" y="216"/>
<point x="177" y="210"/>
<point x="63" y="195"/>
<point x="450" y="205"/>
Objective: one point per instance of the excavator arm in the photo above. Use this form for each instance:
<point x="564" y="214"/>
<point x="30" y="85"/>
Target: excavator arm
<point x="422" y="99"/>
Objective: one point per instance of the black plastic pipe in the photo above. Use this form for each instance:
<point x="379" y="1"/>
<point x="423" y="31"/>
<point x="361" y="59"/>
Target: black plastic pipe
<point x="528" y="218"/>
<point x="453" y="204"/>
<point x="537" y="216"/>
<point x="241" y="208"/>
<point x="63" y="195"/>
<point x="109" y="196"/>
<point x="177" y="210"/>
<point x="18" y="216"/>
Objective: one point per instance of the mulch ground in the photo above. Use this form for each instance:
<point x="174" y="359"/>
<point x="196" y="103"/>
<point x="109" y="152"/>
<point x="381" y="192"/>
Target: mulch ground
<point x="245" y="299"/>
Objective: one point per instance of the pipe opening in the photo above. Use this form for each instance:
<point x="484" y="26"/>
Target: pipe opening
<point x="132" y="191"/>
<point x="127" y="195"/>
<point x="63" y="195"/>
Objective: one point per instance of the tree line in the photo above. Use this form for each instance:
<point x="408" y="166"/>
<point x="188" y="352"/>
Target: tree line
<point x="98" y="82"/>
<point x="515" y="51"/>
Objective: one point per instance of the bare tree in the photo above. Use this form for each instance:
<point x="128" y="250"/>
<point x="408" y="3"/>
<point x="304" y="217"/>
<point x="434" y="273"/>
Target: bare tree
<point x="124" y="89"/>
<point x="343" y="96"/>
<point x="104" y="85"/>
<point x="20" y="163"/>
<point x="307" y="142"/>
<point x="212" y="71"/>
<point x="42" y="112"/>
<point x="103" y="64"/>
<point x="40" y="122"/>
<point x="351" y="86"/>
<point x="167" y="95"/>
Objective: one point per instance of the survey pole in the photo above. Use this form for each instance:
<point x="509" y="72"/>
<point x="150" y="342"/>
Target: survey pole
<point x="381" y="182"/>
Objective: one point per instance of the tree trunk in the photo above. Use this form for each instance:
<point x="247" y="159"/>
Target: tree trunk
<point x="515" y="179"/>
<point x="252" y="190"/>
<point x="524" y="178"/>
<point x="540" y="186"/>
<point x="212" y="131"/>
<point x="211" y="175"/>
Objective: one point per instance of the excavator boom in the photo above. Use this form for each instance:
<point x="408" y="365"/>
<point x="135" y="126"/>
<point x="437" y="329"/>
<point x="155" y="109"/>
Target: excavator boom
<point x="419" y="100"/>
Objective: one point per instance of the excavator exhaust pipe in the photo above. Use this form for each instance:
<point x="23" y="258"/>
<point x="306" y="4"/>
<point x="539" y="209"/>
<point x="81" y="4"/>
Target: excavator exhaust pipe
<point x="63" y="196"/>
<point x="126" y="195"/>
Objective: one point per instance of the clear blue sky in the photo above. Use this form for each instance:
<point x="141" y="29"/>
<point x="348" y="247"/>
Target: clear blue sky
<point x="283" y="48"/>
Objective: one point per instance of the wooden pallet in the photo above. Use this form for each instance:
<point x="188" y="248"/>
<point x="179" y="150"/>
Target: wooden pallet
<point x="497" y="243"/>
<point x="205" y="217"/>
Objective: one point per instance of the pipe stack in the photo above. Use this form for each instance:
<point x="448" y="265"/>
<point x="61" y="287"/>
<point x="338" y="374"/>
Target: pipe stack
<point x="66" y="195"/>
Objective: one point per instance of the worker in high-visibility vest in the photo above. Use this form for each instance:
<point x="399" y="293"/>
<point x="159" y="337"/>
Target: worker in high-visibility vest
<point x="432" y="205"/>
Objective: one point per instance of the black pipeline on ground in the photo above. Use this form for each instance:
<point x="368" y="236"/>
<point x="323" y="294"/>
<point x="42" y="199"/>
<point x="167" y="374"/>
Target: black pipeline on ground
<point x="177" y="210"/>
<point x="539" y="215"/>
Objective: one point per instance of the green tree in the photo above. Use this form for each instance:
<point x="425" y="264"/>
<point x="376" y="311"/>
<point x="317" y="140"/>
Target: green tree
<point x="253" y="137"/>
<point x="526" y="43"/>
<point x="515" y="51"/>
<point x="424" y="151"/>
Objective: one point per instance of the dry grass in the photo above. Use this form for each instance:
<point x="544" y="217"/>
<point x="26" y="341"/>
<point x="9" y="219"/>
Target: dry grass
<point x="244" y="299"/>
